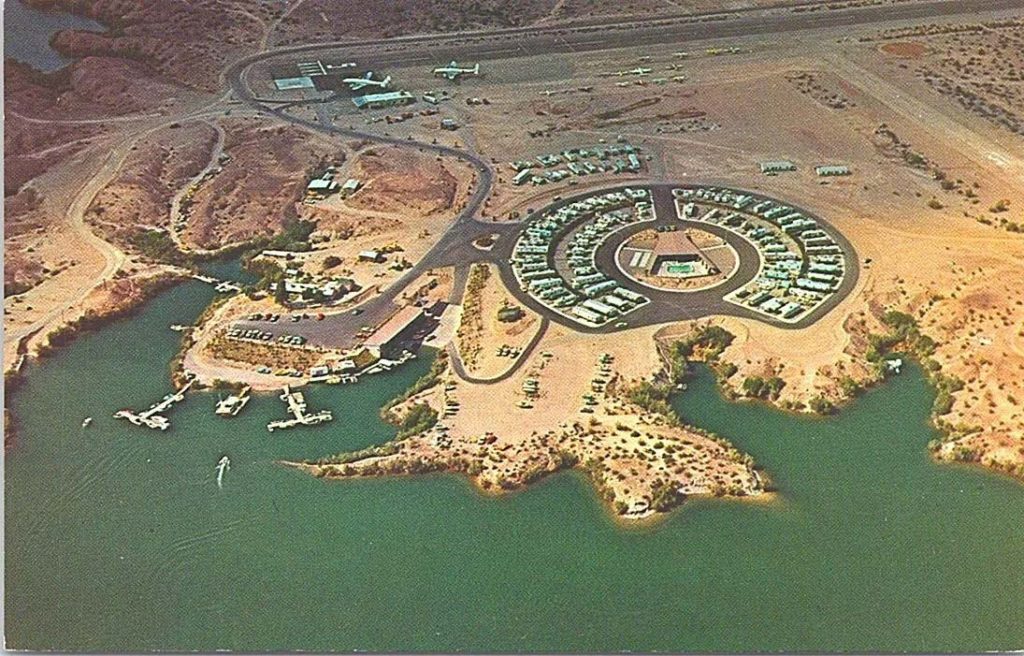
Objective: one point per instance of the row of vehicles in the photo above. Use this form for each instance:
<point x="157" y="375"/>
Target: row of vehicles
<point x="274" y="318"/>
<point x="265" y="336"/>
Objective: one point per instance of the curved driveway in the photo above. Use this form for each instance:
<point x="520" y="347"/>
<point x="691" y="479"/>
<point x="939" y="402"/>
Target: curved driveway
<point x="460" y="369"/>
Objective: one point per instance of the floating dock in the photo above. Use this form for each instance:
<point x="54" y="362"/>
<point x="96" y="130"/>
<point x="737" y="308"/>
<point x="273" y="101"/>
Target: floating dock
<point x="233" y="404"/>
<point x="222" y="286"/>
<point x="297" y="408"/>
<point x="151" y="418"/>
<point x="385" y="365"/>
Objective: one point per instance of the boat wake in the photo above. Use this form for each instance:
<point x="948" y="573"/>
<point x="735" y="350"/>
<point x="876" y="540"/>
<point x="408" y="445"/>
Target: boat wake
<point x="79" y="479"/>
<point x="181" y="555"/>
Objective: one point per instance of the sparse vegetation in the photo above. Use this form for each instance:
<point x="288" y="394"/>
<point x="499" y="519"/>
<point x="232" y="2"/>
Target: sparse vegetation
<point x="822" y="406"/>
<point x="426" y="381"/>
<point x="665" y="496"/>
<point x="758" y="387"/>
<point x="158" y="246"/>
<point x="419" y="418"/>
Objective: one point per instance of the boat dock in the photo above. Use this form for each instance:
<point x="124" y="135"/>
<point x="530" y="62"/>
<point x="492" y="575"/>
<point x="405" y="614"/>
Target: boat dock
<point x="297" y="408"/>
<point x="335" y="379"/>
<point x="233" y="404"/>
<point x="385" y="365"/>
<point x="222" y="286"/>
<point x="151" y="417"/>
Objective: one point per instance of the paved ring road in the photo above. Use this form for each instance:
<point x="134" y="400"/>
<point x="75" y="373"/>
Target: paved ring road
<point x="669" y="306"/>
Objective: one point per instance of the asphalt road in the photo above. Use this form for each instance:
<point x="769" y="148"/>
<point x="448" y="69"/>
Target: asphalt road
<point x="456" y="249"/>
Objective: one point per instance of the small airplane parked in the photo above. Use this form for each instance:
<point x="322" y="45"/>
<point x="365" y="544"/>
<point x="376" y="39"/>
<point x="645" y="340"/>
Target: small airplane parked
<point x="639" y="70"/>
<point x="357" y="83"/>
<point x="453" y="70"/>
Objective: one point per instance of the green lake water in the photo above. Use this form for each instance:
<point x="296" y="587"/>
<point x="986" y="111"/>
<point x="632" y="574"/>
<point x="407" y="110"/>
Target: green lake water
<point x="117" y="537"/>
<point x="229" y="268"/>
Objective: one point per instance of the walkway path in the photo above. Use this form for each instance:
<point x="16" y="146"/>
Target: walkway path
<point x="215" y="153"/>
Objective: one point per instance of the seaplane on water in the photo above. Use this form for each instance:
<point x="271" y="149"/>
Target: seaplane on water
<point x="357" y="83"/>
<point x="453" y="71"/>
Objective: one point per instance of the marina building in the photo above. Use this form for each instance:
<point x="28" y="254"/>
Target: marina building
<point x="388" y="336"/>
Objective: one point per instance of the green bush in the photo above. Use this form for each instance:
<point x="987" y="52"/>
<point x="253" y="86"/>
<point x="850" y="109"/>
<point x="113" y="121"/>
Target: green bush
<point x="419" y="418"/>
<point x="849" y="386"/>
<point x="157" y="245"/>
<point x="763" y="388"/>
<point x="713" y="339"/>
<point x="652" y="398"/>
<point x="822" y="406"/>
<point x="665" y="496"/>
<point x="294" y="236"/>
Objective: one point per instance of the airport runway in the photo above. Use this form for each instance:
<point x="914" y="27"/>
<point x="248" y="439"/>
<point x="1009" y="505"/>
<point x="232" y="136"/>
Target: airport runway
<point x="610" y="33"/>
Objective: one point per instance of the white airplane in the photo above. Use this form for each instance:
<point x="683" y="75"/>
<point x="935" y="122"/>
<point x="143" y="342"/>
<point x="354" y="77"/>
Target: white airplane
<point x="357" y="83"/>
<point x="453" y="70"/>
<point x="636" y="71"/>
